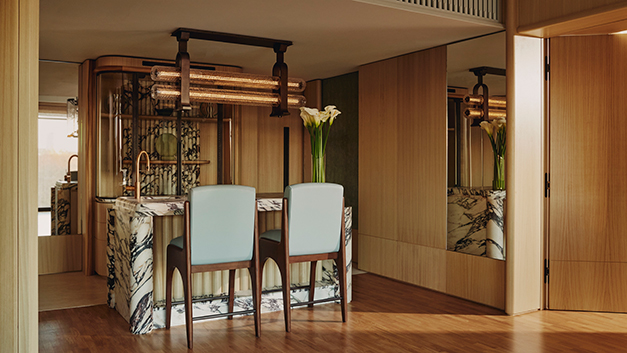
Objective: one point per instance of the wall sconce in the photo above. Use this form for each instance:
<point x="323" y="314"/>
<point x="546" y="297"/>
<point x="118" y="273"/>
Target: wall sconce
<point x="72" y="117"/>
<point x="482" y="106"/>
<point x="278" y="84"/>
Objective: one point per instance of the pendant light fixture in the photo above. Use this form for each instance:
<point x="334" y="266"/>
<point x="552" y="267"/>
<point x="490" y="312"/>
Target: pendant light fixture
<point x="482" y="107"/>
<point x="241" y="88"/>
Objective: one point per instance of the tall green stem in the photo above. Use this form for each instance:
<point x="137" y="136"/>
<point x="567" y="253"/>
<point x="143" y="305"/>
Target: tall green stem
<point x="317" y="154"/>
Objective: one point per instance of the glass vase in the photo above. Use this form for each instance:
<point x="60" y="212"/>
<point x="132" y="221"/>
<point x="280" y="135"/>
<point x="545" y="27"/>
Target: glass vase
<point x="318" y="175"/>
<point x="498" y="181"/>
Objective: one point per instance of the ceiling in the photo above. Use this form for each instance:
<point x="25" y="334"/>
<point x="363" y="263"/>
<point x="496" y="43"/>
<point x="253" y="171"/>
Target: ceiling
<point x="331" y="37"/>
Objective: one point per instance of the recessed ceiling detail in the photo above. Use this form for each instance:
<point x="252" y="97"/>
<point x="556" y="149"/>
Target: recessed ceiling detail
<point x="474" y="10"/>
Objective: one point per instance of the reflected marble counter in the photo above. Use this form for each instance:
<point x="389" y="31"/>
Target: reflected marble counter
<point x="475" y="221"/>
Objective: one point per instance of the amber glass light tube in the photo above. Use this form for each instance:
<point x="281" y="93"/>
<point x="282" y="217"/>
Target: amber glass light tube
<point x="493" y="102"/>
<point x="474" y="113"/>
<point x="225" y="78"/>
<point x="210" y="95"/>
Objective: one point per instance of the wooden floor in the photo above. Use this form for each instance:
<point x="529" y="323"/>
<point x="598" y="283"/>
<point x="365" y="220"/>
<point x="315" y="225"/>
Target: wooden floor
<point x="385" y="316"/>
<point x="71" y="290"/>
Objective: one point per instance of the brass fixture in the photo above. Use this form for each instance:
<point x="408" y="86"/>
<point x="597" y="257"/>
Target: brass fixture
<point x="185" y="76"/>
<point x="137" y="187"/>
<point x="68" y="176"/>
<point x="483" y="107"/>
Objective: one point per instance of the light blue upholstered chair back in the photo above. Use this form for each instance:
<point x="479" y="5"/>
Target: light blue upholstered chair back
<point x="222" y="223"/>
<point x="314" y="216"/>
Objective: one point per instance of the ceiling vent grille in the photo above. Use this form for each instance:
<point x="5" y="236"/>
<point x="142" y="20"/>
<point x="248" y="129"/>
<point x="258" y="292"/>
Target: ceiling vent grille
<point x="490" y="10"/>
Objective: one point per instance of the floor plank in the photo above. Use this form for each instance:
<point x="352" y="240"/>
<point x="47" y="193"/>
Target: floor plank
<point x="385" y="316"/>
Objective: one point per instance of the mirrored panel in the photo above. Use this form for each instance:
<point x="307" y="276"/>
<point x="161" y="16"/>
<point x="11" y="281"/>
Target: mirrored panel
<point x="476" y="146"/>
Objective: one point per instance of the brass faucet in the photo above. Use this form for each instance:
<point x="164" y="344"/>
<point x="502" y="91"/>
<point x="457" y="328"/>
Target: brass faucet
<point x="68" y="176"/>
<point x="137" y="186"/>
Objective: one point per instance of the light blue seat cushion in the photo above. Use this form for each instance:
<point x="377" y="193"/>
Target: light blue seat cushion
<point x="178" y="241"/>
<point x="274" y="235"/>
<point x="222" y="224"/>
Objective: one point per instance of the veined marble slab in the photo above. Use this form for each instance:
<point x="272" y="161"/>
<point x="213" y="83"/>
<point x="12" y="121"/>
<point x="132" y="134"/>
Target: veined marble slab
<point x="475" y="221"/>
<point x="60" y="206"/>
<point x="130" y="258"/>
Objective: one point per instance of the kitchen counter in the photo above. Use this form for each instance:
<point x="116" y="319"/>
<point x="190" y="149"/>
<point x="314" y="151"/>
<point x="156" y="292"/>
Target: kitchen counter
<point x="130" y="263"/>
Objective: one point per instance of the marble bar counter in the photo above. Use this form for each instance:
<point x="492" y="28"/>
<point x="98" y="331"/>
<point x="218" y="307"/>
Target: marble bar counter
<point x="63" y="218"/>
<point x="130" y="264"/>
<point x="475" y="221"/>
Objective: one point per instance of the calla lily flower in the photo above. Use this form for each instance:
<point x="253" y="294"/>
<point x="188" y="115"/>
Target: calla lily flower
<point x="315" y="121"/>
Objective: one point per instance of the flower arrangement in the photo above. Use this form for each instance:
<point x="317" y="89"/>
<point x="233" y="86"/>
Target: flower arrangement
<point x="318" y="123"/>
<point x="497" y="134"/>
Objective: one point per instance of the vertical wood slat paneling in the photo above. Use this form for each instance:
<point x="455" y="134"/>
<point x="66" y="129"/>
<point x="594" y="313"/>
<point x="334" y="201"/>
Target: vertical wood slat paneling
<point x="536" y="12"/>
<point x="421" y="148"/>
<point x="378" y="133"/>
<point x="86" y="161"/>
<point x="9" y="222"/>
<point x="476" y="278"/>
<point x="402" y="168"/>
<point x="18" y="139"/>
<point x="60" y="253"/>
<point x="27" y="172"/>
<point x="260" y="150"/>
<point x="313" y="94"/>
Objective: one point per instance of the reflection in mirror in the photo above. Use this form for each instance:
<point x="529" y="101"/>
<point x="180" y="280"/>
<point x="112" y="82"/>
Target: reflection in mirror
<point x="475" y="207"/>
<point x="57" y="184"/>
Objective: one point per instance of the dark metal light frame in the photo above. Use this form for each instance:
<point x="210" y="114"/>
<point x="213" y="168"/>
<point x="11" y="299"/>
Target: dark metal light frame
<point x="183" y="35"/>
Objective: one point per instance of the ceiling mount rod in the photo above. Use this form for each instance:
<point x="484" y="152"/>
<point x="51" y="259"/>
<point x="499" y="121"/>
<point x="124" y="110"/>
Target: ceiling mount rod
<point x="231" y="38"/>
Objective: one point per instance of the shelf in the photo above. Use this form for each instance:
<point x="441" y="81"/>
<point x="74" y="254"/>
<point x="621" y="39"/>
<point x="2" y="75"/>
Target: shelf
<point x="170" y="162"/>
<point x="173" y="118"/>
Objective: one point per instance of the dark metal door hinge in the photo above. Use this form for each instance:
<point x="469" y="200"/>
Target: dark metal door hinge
<point x="546" y="270"/>
<point x="547" y="68"/>
<point x="547" y="185"/>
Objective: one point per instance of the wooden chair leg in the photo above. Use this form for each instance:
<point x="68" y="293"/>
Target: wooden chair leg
<point x="285" y="282"/>
<point x="231" y="292"/>
<point x="256" y="289"/>
<point x="168" y="295"/>
<point x="187" y="289"/>
<point x="341" y="269"/>
<point x="312" y="281"/>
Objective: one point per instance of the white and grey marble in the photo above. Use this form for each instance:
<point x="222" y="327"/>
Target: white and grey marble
<point x="130" y="261"/>
<point x="60" y="207"/>
<point x="475" y="221"/>
<point x="270" y="301"/>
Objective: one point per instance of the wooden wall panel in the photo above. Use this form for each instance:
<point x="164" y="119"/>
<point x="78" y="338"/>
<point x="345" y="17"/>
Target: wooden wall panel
<point x="245" y="146"/>
<point x="379" y="256"/>
<point x="87" y="160"/>
<point x="209" y="151"/>
<point x="421" y="148"/>
<point x="551" y="18"/>
<point x="313" y="94"/>
<point x="423" y="266"/>
<point x="476" y="278"/>
<point x="259" y="149"/>
<point x="594" y="286"/>
<point x="18" y="139"/>
<point x="378" y="134"/>
<point x="60" y="253"/>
